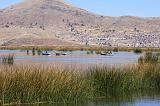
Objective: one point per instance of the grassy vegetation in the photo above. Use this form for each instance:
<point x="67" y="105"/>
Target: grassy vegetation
<point x="72" y="48"/>
<point x="125" y="81"/>
<point x="26" y="84"/>
<point x="7" y="59"/>
<point x="137" y="50"/>
<point x="38" y="84"/>
<point x="149" y="57"/>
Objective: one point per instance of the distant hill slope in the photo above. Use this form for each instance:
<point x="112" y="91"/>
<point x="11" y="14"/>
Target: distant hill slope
<point x="54" y="19"/>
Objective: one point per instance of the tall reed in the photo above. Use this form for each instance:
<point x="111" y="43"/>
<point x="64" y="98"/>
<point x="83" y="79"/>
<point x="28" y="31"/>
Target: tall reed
<point x="149" y="57"/>
<point x="7" y="59"/>
<point x="38" y="84"/>
<point x="34" y="84"/>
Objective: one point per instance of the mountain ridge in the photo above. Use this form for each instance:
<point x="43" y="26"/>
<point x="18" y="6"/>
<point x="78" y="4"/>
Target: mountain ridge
<point x="56" y="19"/>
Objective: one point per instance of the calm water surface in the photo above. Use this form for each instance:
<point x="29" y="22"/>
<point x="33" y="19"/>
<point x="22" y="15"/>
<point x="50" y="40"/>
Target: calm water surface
<point x="74" y="57"/>
<point x="135" y="102"/>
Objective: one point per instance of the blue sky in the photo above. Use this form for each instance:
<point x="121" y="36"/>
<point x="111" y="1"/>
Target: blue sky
<point x="5" y="3"/>
<point x="143" y="8"/>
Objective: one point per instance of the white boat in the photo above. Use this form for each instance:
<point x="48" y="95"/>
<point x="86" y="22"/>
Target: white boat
<point x="46" y="53"/>
<point x="107" y="53"/>
<point x="63" y="53"/>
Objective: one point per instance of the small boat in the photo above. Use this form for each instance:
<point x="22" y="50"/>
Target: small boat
<point x="63" y="53"/>
<point x="103" y="53"/>
<point x="46" y="53"/>
<point x="107" y="53"/>
<point x="58" y="54"/>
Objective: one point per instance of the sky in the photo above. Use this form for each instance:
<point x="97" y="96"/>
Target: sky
<point x="6" y="3"/>
<point x="142" y="8"/>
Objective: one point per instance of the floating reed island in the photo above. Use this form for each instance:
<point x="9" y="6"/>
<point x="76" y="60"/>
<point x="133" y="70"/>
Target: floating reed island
<point x="24" y="84"/>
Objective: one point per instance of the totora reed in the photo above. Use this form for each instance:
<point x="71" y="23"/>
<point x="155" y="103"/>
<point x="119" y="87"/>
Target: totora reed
<point x="36" y="84"/>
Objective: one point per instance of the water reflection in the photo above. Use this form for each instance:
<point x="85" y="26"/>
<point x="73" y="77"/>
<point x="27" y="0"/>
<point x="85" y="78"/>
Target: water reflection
<point x="150" y="98"/>
<point x="145" y="99"/>
<point x="136" y="102"/>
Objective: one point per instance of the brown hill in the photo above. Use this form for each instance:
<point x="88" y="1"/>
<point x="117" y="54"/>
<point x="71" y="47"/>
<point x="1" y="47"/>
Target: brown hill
<point x="55" y="20"/>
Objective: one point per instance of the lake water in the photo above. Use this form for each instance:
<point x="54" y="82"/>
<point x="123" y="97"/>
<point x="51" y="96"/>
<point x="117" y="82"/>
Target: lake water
<point x="145" y="101"/>
<point x="74" y="57"/>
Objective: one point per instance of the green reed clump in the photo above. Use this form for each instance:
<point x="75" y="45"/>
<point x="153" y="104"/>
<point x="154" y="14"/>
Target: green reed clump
<point x="150" y="57"/>
<point x="7" y="59"/>
<point x="33" y="51"/>
<point x="115" y="49"/>
<point x="109" y="82"/>
<point x="39" y="52"/>
<point x="98" y="52"/>
<point x="138" y="51"/>
<point x="90" y="52"/>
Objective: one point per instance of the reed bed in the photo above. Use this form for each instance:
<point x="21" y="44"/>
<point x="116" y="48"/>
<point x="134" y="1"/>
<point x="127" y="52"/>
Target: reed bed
<point x="150" y="57"/>
<point x="36" y="84"/>
<point x="72" y="48"/>
<point x="25" y="84"/>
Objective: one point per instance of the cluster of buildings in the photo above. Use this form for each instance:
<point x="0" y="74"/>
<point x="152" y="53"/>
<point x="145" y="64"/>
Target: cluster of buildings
<point x="151" y="39"/>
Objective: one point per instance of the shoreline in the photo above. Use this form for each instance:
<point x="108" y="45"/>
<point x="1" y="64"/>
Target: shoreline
<point x="73" y="48"/>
